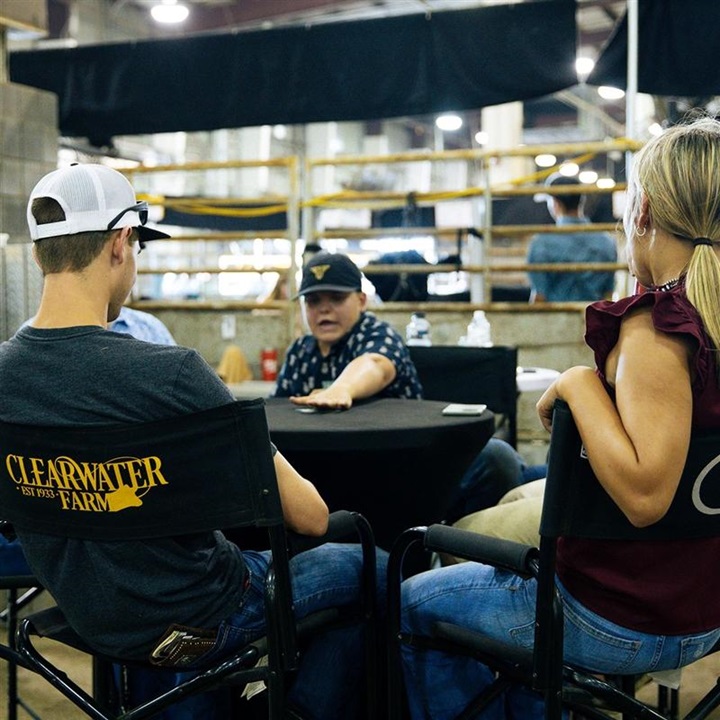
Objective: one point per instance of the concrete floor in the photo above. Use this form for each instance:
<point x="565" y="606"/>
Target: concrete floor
<point x="48" y="704"/>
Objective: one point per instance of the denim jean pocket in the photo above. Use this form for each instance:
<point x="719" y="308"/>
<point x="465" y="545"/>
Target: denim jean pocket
<point x="693" y="648"/>
<point x="524" y="635"/>
<point x="597" y="645"/>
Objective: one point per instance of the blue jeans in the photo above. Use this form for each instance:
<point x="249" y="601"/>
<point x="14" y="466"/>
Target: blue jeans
<point x="497" y="469"/>
<point x="328" y="683"/>
<point x="502" y="606"/>
<point x="12" y="558"/>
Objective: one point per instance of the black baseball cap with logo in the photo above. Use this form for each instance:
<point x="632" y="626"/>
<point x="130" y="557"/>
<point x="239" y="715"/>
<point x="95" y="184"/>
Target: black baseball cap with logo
<point x="331" y="272"/>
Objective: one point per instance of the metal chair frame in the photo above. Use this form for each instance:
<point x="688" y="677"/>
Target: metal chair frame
<point x="15" y="602"/>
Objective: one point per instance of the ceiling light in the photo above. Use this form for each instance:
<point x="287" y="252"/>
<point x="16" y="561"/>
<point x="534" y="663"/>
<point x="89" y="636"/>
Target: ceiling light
<point x="482" y="137"/>
<point x="605" y="183"/>
<point x="545" y="160"/>
<point x="610" y="93"/>
<point x="449" y="122"/>
<point x="569" y="169"/>
<point x="655" y="129"/>
<point x="588" y="177"/>
<point x="169" y="11"/>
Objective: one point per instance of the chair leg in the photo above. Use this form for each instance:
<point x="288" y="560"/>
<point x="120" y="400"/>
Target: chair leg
<point x="669" y="702"/>
<point x="9" y="615"/>
<point x="107" y="689"/>
<point x="12" y="697"/>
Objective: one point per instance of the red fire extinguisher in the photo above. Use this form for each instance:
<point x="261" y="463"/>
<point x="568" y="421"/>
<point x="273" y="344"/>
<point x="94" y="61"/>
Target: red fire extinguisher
<point x="269" y="364"/>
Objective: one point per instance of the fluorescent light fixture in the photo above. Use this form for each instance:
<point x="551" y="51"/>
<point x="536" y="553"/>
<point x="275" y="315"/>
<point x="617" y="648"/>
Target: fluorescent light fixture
<point x="569" y="169"/>
<point x="449" y="122"/>
<point x="610" y="93"/>
<point x="605" y="183"/>
<point x="482" y="137"/>
<point x="545" y="160"/>
<point x="170" y="12"/>
<point x="588" y="177"/>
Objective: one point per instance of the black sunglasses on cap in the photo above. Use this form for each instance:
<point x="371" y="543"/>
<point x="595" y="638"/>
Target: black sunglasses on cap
<point x="141" y="208"/>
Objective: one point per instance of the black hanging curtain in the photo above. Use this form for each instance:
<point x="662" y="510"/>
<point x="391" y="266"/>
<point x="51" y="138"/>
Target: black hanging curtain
<point x="677" y="49"/>
<point x="410" y="65"/>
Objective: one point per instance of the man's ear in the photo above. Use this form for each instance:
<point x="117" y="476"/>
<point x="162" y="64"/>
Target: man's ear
<point x="118" y="245"/>
<point x="34" y="254"/>
<point x="363" y="300"/>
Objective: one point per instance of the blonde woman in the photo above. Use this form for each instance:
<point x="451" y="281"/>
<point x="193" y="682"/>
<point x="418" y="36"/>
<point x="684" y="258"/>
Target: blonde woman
<point x="656" y="380"/>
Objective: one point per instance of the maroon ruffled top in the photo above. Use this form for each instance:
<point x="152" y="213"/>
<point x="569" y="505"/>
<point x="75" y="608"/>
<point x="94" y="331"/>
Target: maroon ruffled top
<point x="637" y="584"/>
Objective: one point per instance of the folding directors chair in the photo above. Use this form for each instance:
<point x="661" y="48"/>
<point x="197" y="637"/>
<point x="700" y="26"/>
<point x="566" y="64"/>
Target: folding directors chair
<point x="575" y="505"/>
<point x="189" y="474"/>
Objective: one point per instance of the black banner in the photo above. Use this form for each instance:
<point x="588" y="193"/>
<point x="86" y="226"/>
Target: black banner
<point x="392" y="67"/>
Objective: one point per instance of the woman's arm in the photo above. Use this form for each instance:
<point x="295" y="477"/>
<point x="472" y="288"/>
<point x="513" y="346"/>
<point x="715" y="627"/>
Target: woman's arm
<point x="365" y="376"/>
<point x="304" y="510"/>
<point x="637" y="447"/>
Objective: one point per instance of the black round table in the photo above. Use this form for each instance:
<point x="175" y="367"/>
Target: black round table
<point x="395" y="461"/>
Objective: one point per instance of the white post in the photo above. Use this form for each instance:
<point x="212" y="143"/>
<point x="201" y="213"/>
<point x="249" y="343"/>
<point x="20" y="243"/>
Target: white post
<point x="632" y="80"/>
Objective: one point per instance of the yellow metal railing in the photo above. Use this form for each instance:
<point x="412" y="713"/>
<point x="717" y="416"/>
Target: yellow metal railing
<point x="294" y="200"/>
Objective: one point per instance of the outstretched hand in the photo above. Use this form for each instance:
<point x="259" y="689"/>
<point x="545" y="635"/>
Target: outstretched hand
<point x="336" y="397"/>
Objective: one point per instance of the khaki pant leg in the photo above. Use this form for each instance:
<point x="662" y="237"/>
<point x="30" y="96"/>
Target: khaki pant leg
<point x="516" y="517"/>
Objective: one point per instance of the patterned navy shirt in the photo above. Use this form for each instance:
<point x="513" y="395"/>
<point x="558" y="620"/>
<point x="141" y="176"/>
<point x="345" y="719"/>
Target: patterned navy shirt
<point x="305" y="369"/>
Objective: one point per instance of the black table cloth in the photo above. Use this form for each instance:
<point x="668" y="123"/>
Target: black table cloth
<point x="395" y="461"/>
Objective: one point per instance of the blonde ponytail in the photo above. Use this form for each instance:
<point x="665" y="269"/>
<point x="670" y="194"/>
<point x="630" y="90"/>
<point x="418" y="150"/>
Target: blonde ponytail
<point x="679" y="172"/>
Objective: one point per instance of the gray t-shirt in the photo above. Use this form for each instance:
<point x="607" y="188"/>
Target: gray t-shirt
<point x="120" y="596"/>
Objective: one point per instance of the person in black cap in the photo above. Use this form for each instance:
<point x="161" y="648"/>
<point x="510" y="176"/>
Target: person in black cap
<point x="575" y="247"/>
<point x="349" y="354"/>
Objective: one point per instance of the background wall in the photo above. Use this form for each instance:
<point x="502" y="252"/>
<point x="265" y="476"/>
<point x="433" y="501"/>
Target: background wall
<point x="28" y="150"/>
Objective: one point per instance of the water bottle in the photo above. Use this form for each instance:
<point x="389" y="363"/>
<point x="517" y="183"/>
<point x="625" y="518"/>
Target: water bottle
<point x="478" y="331"/>
<point x="417" y="331"/>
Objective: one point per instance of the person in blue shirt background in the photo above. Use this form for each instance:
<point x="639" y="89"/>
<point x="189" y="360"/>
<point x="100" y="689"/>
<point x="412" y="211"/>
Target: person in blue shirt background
<point x="142" y="326"/>
<point x="572" y="247"/>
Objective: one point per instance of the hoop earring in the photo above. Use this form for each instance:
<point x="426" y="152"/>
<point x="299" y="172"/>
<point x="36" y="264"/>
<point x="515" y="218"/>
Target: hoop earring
<point x="638" y="233"/>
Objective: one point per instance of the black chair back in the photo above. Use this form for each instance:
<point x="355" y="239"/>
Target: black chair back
<point x="576" y="505"/>
<point x="141" y="481"/>
<point x="460" y="374"/>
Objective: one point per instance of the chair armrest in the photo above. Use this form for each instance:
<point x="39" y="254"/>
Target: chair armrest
<point x="342" y="524"/>
<point x="506" y="554"/>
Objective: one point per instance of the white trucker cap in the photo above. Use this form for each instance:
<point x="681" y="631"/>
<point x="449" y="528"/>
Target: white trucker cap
<point x="93" y="197"/>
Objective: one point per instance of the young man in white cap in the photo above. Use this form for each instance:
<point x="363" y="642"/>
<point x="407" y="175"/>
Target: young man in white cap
<point x="65" y="368"/>
<point x="349" y="354"/>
